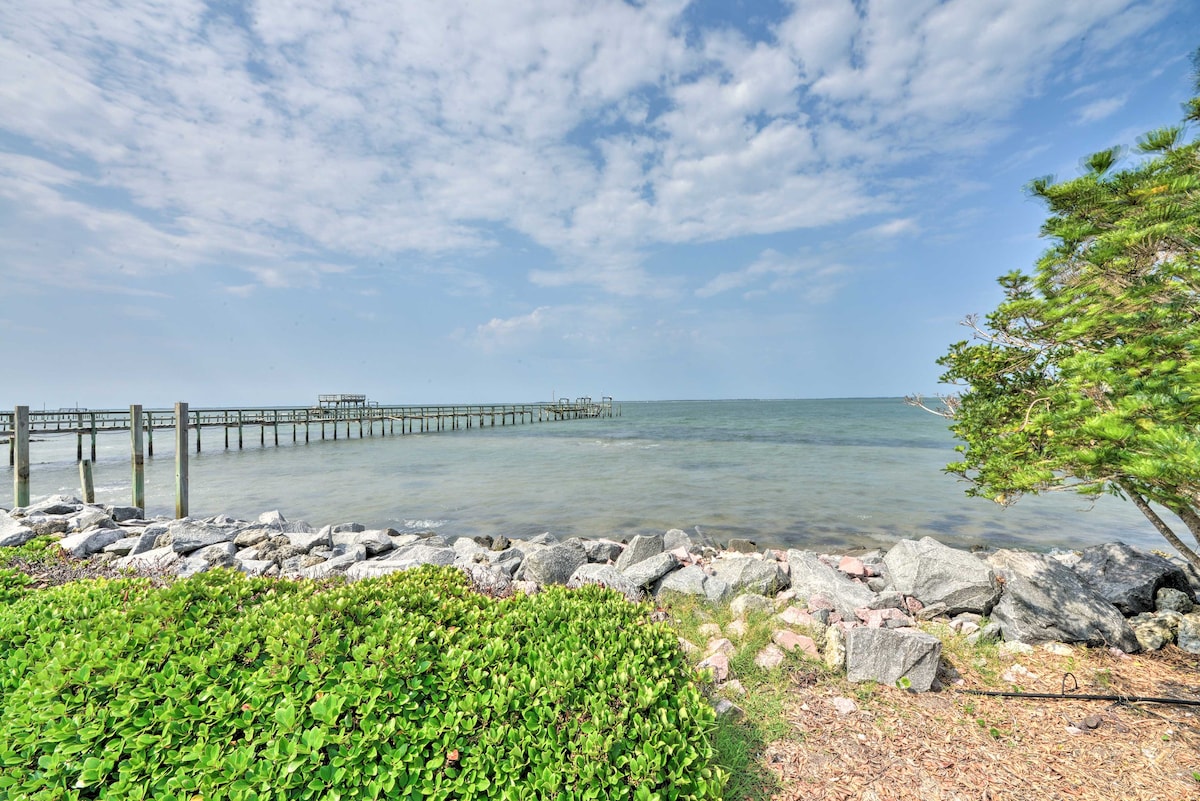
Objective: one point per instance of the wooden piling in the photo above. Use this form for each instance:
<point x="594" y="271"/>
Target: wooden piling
<point x="149" y="434"/>
<point x="85" y="481"/>
<point x="139" y="462"/>
<point x="93" y="416"/>
<point x="181" y="460"/>
<point x="21" y="454"/>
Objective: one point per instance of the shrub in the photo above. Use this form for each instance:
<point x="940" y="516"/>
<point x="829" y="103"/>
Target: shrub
<point x="409" y="686"/>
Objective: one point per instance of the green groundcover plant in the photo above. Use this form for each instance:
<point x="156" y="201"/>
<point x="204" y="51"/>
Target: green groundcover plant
<point x="410" y="686"/>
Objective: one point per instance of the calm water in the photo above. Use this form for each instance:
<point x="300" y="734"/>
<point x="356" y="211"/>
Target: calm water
<point x="811" y="473"/>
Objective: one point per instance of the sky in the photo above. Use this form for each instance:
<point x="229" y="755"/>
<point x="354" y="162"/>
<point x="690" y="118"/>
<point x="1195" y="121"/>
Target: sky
<point x="465" y="202"/>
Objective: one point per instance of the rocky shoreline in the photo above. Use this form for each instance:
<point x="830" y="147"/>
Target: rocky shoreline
<point x="858" y="613"/>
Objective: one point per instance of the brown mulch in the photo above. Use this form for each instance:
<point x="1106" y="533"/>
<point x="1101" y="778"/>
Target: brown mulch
<point x="949" y="745"/>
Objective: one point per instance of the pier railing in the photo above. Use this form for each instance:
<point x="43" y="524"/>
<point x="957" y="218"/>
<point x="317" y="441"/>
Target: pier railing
<point x="333" y="417"/>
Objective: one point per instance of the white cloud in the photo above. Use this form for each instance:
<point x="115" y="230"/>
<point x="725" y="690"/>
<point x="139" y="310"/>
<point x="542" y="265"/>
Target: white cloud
<point x="897" y="227"/>
<point x="814" y="280"/>
<point x="168" y="135"/>
<point x="1099" y="109"/>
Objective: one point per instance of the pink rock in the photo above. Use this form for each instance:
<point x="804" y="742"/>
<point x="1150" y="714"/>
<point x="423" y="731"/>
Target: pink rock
<point x="913" y="605"/>
<point x="718" y="663"/>
<point x="769" y="657"/>
<point x="883" y="618"/>
<point x="852" y="566"/>
<point x="820" y="601"/>
<point x="682" y="555"/>
<point x="790" y="641"/>
<point x="794" y="616"/>
<point x="720" y="646"/>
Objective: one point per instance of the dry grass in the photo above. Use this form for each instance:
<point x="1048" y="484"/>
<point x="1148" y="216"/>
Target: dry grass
<point x="951" y="745"/>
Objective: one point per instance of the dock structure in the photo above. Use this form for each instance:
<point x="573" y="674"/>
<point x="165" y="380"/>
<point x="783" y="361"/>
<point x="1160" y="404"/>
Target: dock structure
<point x="333" y="417"/>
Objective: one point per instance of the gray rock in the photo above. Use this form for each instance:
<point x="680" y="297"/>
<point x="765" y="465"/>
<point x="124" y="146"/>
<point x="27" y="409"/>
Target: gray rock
<point x="545" y="538"/>
<point x="158" y="559"/>
<point x="639" y="549"/>
<point x="249" y="537"/>
<point x="122" y="547"/>
<point x="402" y="559"/>
<point x="1155" y="629"/>
<point x="606" y="576"/>
<point x="648" y="571"/>
<point x="423" y="554"/>
<point x="272" y="519"/>
<point x="467" y="549"/>
<point x="1169" y="599"/>
<point x="338" y="564"/>
<point x="1188" y="636"/>
<point x="553" y="564"/>
<point x="751" y="603"/>
<point x="678" y="538"/>
<point x="86" y="543"/>
<point x="55" y="505"/>
<point x="45" y="525"/>
<point x="13" y="532"/>
<point x="304" y="541"/>
<point x="489" y="579"/>
<point x="255" y="567"/>
<point x="692" y="580"/>
<point x="888" y="655"/>
<point x="187" y="536"/>
<point x="90" y="517"/>
<point x="123" y="514"/>
<point x="342" y="528"/>
<point x="810" y="576"/>
<point x="508" y="560"/>
<point x="191" y="565"/>
<point x="935" y="573"/>
<point x="1188" y="569"/>
<point x="737" y="545"/>
<point x="375" y="541"/>
<point x="835" y="647"/>
<point x="1127" y="577"/>
<point x="220" y="554"/>
<point x="1043" y="601"/>
<point x="401" y="540"/>
<point x="746" y="574"/>
<point x="500" y="543"/>
<point x="602" y="551"/>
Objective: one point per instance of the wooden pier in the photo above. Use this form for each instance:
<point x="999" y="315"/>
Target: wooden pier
<point x="334" y="416"/>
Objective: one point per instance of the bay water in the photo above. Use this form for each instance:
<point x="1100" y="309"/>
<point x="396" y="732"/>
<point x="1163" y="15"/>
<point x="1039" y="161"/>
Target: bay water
<point x="818" y="474"/>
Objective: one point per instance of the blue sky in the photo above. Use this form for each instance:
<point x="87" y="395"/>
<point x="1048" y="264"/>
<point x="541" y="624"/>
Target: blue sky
<point x="230" y="203"/>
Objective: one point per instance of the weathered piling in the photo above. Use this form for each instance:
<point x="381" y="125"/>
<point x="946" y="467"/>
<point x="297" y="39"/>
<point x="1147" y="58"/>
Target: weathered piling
<point x="181" y="460"/>
<point x="136" y="458"/>
<point x="334" y="410"/>
<point x="20" y="441"/>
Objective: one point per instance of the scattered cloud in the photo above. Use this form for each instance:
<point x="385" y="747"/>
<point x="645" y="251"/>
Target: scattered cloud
<point x="296" y="139"/>
<point x="897" y="227"/>
<point x="814" y="280"/>
<point x="1100" y="109"/>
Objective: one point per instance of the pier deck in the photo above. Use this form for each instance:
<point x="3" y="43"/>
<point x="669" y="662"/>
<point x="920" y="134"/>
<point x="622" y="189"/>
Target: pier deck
<point x="332" y="414"/>
<point x="332" y="417"/>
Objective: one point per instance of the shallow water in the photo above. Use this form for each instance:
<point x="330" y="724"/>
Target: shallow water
<point x="797" y="473"/>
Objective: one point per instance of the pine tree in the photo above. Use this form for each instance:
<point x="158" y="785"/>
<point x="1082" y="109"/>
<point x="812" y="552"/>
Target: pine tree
<point x="1086" y="377"/>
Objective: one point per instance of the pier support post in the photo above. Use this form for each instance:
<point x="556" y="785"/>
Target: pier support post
<point x="21" y="454"/>
<point x="149" y="435"/>
<point x="85" y="481"/>
<point x="93" y="416"/>
<point x="139" y="462"/>
<point x="181" y="460"/>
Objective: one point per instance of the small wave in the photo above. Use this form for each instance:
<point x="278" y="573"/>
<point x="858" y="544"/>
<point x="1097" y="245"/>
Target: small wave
<point x="423" y="525"/>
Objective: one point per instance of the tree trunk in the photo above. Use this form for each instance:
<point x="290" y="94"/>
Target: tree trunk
<point x="1144" y="507"/>
<point x="1190" y="519"/>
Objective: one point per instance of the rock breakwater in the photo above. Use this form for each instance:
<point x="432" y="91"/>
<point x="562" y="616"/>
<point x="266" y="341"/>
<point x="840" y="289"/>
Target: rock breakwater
<point x="857" y="612"/>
